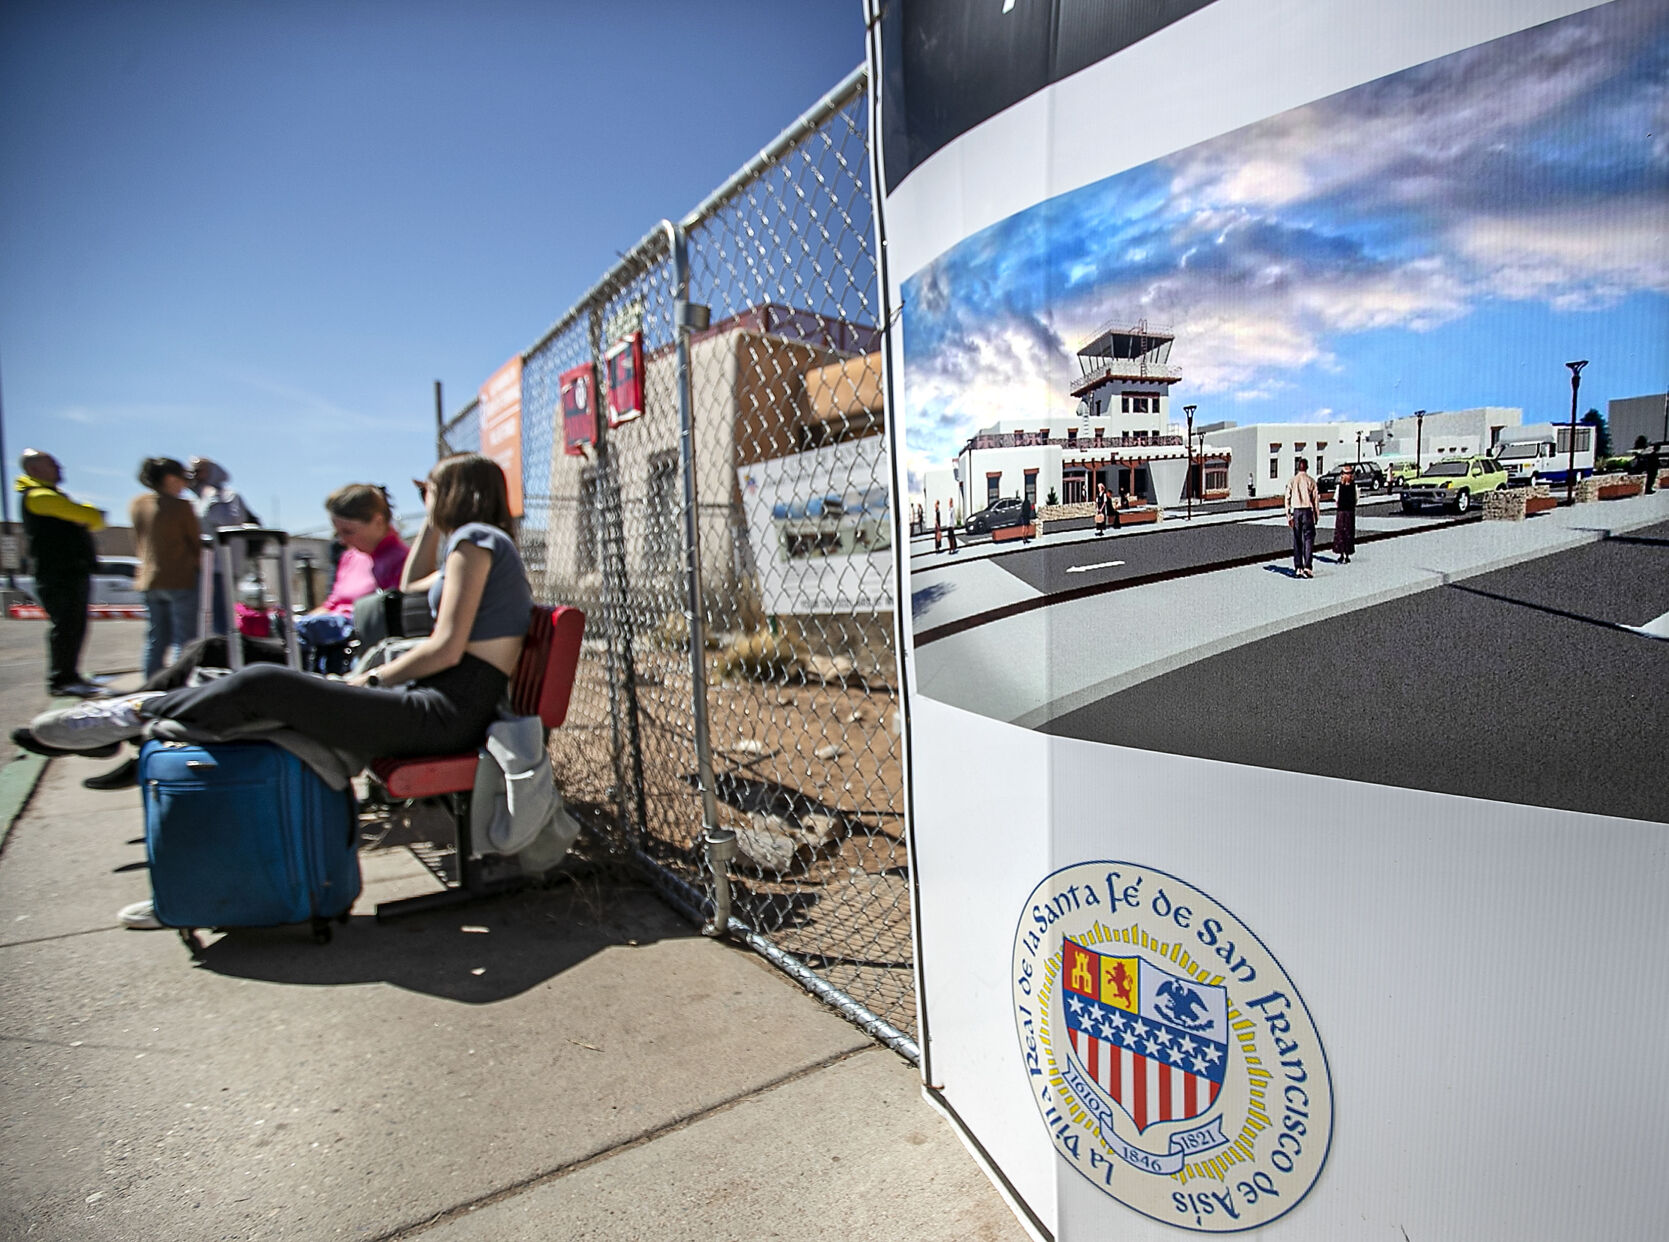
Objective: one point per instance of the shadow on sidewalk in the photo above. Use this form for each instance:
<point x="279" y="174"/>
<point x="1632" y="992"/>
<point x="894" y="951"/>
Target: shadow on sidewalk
<point x="476" y="954"/>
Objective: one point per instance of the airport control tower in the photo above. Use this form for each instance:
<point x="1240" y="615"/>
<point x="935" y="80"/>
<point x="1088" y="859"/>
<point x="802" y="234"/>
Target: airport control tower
<point x="1127" y="377"/>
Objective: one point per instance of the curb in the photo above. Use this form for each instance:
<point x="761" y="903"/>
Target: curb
<point x="18" y="780"/>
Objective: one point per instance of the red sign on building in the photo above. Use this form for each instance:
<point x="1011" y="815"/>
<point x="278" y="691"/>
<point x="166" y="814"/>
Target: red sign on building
<point x="579" y="409"/>
<point x="625" y="379"/>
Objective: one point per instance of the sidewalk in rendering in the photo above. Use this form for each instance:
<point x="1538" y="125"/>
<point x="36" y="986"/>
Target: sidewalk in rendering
<point x="1032" y="667"/>
<point x="573" y="1063"/>
<point x="981" y="585"/>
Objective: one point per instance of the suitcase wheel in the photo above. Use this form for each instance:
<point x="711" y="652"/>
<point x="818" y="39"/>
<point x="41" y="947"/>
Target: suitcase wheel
<point x="343" y="918"/>
<point x="321" y="931"/>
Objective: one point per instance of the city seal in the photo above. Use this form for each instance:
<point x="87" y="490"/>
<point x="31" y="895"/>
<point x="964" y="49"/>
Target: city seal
<point x="1173" y="1062"/>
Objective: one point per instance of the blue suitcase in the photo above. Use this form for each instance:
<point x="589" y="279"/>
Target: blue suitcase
<point x="246" y="835"/>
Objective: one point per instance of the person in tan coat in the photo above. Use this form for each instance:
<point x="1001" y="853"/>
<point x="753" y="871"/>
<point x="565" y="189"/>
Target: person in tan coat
<point x="167" y="535"/>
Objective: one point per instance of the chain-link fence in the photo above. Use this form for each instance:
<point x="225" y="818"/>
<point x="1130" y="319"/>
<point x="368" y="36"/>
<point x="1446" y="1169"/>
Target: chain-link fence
<point x="743" y="514"/>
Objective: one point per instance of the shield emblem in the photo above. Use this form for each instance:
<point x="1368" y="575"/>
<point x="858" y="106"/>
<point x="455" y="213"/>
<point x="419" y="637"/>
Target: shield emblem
<point x="1153" y="1042"/>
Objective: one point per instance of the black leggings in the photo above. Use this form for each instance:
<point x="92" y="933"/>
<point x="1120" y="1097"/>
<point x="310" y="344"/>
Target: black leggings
<point x="443" y="714"/>
<point x="211" y="652"/>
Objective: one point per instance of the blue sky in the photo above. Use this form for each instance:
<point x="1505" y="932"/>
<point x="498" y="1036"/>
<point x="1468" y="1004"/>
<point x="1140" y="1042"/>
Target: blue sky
<point x="260" y="232"/>
<point x="1445" y="237"/>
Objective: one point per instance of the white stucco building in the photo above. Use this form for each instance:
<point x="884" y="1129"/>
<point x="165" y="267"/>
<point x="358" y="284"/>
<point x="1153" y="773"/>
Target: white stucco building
<point x="1123" y="433"/>
<point x="1265" y="454"/>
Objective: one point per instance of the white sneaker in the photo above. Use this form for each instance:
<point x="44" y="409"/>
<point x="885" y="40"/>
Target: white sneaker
<point x="140" y="916"/>
<point x="93" y="723"/>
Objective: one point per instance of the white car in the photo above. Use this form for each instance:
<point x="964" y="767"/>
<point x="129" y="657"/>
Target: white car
<point x="112" y="582"/>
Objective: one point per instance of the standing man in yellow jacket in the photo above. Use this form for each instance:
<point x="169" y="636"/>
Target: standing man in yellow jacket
<point x="61" y="545"/>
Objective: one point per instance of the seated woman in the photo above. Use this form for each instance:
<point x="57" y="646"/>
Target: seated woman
<point x="376" y="555"/>
<point x="374" y="560"/>
<point x="438" y="697"/>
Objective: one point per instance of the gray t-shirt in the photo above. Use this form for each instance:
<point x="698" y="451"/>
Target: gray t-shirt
<point x="507" y="599"/>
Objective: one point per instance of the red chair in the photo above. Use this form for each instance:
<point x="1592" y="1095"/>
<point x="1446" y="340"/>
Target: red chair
<point x="543" y="680"/>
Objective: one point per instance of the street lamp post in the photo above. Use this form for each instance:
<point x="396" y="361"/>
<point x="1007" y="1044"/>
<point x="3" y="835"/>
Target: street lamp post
<point x="1188" y="447"/>
<point x="1575" y="385"/>
<point x="1419" y="432"/>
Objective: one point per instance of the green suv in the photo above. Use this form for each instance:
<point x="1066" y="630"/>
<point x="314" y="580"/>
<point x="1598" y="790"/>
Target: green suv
<point x="1453" y="483"/>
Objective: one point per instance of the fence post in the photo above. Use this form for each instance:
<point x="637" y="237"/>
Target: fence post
<point x="623" y="696"/>
<point x="718" y="842"/>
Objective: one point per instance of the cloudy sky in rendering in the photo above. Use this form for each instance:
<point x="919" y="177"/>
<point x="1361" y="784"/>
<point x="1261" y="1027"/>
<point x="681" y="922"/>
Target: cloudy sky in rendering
<point x="1445" y="237"/>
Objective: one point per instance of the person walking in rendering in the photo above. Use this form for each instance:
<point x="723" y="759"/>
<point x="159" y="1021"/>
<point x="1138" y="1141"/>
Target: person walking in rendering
<point x="938" y="531"/>
<point x="1027" y="514"/>
<point x="166" y="536"/>
<point x="1344" y="517"/>
<point x="1303" y="506"/>
<point x="1105" y="509"/>
<point x="61" y="545"/>
<point x="1648" y="462"/>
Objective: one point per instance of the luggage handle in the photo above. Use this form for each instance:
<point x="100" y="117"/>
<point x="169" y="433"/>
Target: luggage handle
<point x="195" y="764"/>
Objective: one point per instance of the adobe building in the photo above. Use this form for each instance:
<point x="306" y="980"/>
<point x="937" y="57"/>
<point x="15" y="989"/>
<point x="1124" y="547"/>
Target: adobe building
<point x="1124" y="433"/>
<point x="767" y="383"/>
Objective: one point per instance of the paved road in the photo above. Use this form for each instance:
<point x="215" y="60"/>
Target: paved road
<point x="1517" y="685"/>
<point x="112" y="647"/>
<point x="1156" y="552"/>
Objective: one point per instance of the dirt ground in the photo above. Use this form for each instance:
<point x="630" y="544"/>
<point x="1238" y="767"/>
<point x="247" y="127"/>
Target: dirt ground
<point x="808" y="768"/>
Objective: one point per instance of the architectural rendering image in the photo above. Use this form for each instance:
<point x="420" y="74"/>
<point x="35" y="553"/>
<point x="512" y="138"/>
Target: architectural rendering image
<point x="1134" y="406"/>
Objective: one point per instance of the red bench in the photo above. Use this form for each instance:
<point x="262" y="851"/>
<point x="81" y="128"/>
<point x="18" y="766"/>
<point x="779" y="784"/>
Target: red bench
<point x="542" y="683"/>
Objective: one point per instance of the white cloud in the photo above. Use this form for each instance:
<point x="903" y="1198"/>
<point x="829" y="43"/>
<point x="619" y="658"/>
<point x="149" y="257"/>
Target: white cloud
<point x="1572" y="258"/>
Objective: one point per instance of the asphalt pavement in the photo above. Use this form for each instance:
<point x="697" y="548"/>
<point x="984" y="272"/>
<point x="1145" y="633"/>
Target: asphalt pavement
<point x="1432" y="660"/>
<point x="1530" y="684"/>
<point x="569" y="1063"/>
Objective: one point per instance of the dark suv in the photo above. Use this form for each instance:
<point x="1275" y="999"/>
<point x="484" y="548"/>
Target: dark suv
<point x="1369" y="478"/>
<point x="998" y="515"/>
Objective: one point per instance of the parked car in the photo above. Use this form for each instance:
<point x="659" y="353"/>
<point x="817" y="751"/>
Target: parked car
<point x="1454" y="483"/>
<point x="1369" y="477"/>
<point x="112" y="582"/>
<point x="996" y="516"/>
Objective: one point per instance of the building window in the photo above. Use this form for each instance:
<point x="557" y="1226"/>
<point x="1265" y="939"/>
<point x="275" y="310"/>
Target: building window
<point x="1126" y="406"/>
<point x="1031" y="487"/>
<point x="1274" y="467"/>
<point x="585" y="524"/>
<point x="660" y="508"/>
<point x="1217" y="479"/>
<point x="1072" y="435"/>
<point x="993" y="488"/>
<point x="1320" y="464"/>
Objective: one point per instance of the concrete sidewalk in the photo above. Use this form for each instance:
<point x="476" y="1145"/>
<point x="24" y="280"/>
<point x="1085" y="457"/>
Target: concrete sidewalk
<point x="573" y="1063"/>
<point x="1031" y="668"/>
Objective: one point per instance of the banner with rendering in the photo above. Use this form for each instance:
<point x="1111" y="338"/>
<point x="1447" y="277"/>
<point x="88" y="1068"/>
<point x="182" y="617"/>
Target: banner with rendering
<point x="1302" y="729"/>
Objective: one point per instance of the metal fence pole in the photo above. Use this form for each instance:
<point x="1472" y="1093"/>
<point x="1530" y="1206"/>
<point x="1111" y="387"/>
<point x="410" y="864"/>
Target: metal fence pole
<point x="719" y="842"/>
<point x="617" y="607"/>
